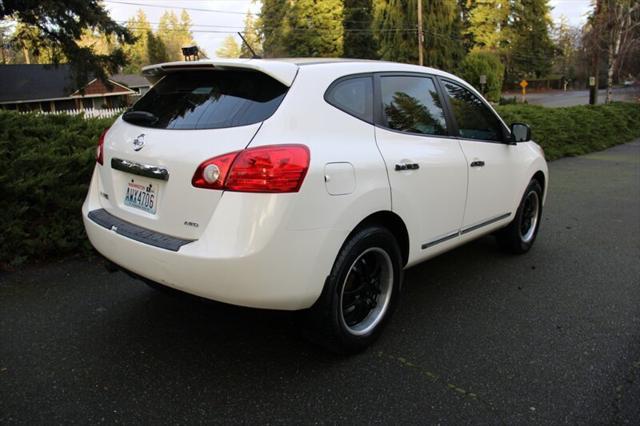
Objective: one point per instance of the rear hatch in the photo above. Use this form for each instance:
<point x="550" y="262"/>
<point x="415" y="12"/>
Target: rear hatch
<point x="152" y="152"/>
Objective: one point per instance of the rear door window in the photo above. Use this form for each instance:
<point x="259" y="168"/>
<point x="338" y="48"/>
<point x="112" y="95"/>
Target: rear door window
<point x="208" y="100"/>
<point x="412" y="104"/>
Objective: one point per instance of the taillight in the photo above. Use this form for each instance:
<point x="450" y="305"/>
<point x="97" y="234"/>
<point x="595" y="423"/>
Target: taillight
<point x="212" y="173"/>
<point x="271" y="168"/>
<point x="100" y="148"/>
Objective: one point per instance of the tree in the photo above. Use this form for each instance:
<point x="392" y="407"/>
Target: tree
<point x="359" y="40"/>
<point x="175" y="33"/>
<point x="100" y="43"/>
<point x="466" y="6"/>
<point x="396" y="37"/>
<point x="488" y="24"/>
<point x="314" y="28"/>
<point x="252" y="36"/>
<point x="532" y="50"/>
<point x="567" y="45"/>
<point x="622" y="18"/>
<point x="271" y="27"/>
<point x="478" y="63"/>
<point x="395" y="23"/>
<point x="229" y="48"/>
<point x="444" y="46"/>
<point x="6" y="52"/>
<point x="60" y="24"/>
<point x="138" y="52"/>
<point x="156" y="50"/>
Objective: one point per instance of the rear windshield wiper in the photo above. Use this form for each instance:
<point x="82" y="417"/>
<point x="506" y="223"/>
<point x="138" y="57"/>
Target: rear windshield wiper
<point x="140" y="117"/>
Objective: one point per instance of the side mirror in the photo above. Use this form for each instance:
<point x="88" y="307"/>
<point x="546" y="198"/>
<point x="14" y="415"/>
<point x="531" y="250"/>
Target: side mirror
<point x="520" y="132"/>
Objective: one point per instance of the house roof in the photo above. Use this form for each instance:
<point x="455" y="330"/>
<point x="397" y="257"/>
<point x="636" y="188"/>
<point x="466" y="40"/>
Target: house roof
<point x="131" y="80"/>
<point x="26" y="82"/>
<point x="35" y="82"/>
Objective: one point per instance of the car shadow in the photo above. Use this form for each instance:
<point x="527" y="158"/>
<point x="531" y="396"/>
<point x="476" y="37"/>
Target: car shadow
<point x="164" y="323"/>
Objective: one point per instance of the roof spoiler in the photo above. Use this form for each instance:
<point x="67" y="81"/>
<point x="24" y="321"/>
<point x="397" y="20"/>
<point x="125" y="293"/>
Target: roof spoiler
<point x="284" y="72"/>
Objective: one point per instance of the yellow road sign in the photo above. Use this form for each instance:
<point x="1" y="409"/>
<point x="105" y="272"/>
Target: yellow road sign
<point x="524" y="84"/>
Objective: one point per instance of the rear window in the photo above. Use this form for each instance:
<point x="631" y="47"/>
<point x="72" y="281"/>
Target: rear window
<point x="208" y="100"/>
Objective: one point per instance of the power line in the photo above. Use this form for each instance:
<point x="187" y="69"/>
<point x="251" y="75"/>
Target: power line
<point x="197" y="9"/>
<point x="364" y="30"/>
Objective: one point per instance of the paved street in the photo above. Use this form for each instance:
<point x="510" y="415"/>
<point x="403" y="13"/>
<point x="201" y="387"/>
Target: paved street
<point x="480" y="337"/>
<point x="559" y="98"/>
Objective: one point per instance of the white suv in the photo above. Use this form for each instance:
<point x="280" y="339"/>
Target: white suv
<point x="308" y="184"/>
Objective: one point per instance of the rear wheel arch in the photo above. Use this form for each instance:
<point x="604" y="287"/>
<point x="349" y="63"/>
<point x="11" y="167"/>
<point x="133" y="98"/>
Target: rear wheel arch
<point x="393" y="223"/>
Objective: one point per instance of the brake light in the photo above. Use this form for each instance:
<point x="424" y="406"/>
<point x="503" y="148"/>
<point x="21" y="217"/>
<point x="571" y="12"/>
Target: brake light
<point x="100" y="148"/>
<point x="271" y="169"/>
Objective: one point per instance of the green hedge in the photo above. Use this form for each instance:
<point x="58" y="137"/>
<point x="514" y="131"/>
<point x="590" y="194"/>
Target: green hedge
<point x="577" y="130"/>
<point x="46" y="164"/>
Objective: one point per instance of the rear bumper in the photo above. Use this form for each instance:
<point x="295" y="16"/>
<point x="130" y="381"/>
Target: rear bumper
<point x="272" y="267"/>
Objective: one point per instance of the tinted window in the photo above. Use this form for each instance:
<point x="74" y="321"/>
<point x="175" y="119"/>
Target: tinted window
<point x="354" y="96"/>
<point x="412" y="104"/>
<point x="209" y="100"/>
<point x="475" y="120"/>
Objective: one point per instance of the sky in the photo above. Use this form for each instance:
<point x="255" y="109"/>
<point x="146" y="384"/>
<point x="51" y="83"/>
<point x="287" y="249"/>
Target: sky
<point x="211" y="25"/>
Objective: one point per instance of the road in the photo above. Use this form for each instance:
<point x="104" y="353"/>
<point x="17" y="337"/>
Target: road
<point x="558" y="98"/>
<point x="480" y="337"/>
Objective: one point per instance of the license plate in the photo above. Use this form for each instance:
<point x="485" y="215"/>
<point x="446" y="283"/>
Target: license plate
<point x="143" y="196"/>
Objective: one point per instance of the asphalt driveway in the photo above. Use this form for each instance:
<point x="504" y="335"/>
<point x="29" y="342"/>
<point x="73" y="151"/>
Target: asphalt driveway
<point x="480" y="337"/>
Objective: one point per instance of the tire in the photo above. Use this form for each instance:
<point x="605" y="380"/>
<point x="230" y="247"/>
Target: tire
<point x="359" y="295"/>
<point x="518" y="237"/>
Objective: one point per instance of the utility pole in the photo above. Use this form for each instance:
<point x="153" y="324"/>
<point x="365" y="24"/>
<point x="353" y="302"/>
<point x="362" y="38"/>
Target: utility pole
<point x="420" y="35"/>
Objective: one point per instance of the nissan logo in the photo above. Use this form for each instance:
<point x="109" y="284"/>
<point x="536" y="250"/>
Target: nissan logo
<point x="138" y="142"/>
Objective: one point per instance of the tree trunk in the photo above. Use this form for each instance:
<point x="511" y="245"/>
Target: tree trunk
<point x="610" y="66"/>
<point x="595" y="59"/>
<point x="614" y="49"/>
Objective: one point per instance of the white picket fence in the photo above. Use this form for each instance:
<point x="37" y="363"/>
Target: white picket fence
<point x="86" y="113"/>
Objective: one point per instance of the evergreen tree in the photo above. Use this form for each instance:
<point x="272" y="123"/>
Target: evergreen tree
<point x="98" y="42"/>
<point x="532" y="51"/>
<point x="488" y="24"/>
<point x="466" y="6"/>
<point x="396" y="37"/>
<point x="156" y="50"/>
<point x="359" y="40"/>
<point x="444" y="45"/>
<point x="229" y="48"/>
<point x="252" y="36"/>
<point x="314" y="28"/>
<point x="175" y="33"/>
<point x="30" y="52"/>
<point x="271" y="27"/>
<point x="396" y="23"/>
<point x="138" y="52"/>
<point x="60" y="25"/>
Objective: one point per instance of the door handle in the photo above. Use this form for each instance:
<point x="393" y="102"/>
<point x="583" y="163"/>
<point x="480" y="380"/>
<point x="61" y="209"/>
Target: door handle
<point x="407" y="166"/>
<point x="477" y="163"/>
